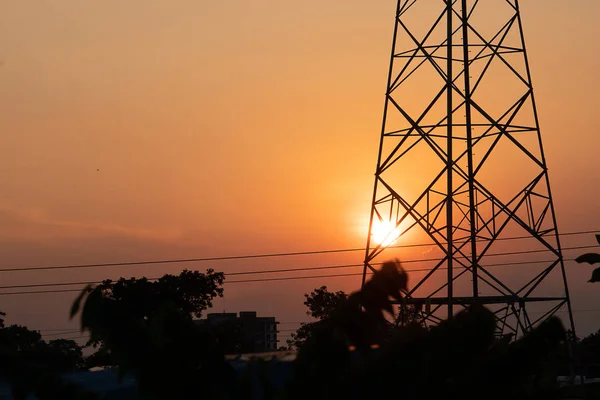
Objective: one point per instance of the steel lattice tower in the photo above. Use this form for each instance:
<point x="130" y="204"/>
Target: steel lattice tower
<point x="461" y="164"/>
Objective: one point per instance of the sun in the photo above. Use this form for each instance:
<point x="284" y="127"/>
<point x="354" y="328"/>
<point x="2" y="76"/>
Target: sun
<point x="384" y="232"/>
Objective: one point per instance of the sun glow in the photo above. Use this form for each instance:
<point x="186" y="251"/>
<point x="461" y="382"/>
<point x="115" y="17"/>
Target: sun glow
<point x="385" y="232"/>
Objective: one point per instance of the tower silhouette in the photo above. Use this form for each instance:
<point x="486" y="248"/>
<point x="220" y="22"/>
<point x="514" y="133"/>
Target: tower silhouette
<point x="461" y="166"/>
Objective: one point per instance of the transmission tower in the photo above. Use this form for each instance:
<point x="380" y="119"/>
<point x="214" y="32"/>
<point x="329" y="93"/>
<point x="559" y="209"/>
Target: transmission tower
<point x="461" y="166"/>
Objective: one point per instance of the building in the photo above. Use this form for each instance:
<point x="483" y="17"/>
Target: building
<point x="245" y="333"/>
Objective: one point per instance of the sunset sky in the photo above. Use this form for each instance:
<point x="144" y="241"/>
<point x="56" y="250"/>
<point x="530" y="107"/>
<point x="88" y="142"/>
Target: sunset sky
<point x="136" y="130"/>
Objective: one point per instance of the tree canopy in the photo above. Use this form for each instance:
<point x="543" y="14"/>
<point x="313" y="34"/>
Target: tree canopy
<point x="146" y="328"/>
<point x="192" y="292"/>
<point x="139" y="299"/>
<point x="321" y="303"/>
<point x="459" y="358"/>
<point x="29" y="363"/>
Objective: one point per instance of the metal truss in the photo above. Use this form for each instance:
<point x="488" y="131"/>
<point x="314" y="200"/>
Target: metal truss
<point x="461" y="166"/>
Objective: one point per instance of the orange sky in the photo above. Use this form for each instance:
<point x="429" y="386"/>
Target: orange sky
<point x="153" y="129"/>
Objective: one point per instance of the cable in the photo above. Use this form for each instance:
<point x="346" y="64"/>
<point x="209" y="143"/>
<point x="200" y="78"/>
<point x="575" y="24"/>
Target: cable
<point x="253" y="280"/>
<point x="54" y="330"/>
<point x="307" y="269"/>
<point x="61" y="333"/>
<point x="290" y="278"/>
<point x="241" y="281"/>
<point x="241" y="257"/>
<point x="76" y="337"/>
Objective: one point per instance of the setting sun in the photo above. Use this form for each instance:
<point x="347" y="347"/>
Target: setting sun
<point x="385" y="232"/>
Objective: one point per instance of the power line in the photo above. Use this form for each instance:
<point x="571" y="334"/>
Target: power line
<point x="242" y="257"/>
<point x="290" y="278"/>
<point x="54" y="330"/>
<point x="240" y="281"/>
<point x="76" y="337"/>
<point x="298" y="270"/>
<point x="61" y="333"/>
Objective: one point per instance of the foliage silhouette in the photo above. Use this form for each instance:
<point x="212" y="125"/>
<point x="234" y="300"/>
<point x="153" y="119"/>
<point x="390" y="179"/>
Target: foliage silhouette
<point x="408" y="314"/>
<point x="67" y="355"/>
<point x="589" y="353"/>
<point x="102" y="357"/>
<point x="191" y="292"/>
<point x="30" y="365"/>
<point x="459" y="359"/>
<point x="320" y="303"/>
<point x="301" y="336"/>
<point x="592" y="258"/>
<point x="351" y="352"/>
<point x="148" y="329"/>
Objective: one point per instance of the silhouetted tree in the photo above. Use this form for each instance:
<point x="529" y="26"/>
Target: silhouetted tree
<point x="191" y="292"/>
<point x="351" y="352"/>
<point x="320" y="303"/>
<point x="588" y="350"/>
<point x="65" y="355"/>
<point x="20" y="351"/>
<point x="28" y="363"/>
<point x="458" y="359"/>
<point x="148" y="329"/>
<point x="299" y="338"/>
<point x="408" y="314"/>
<point x="100" y="358"/>
<point x="17" y="338"/>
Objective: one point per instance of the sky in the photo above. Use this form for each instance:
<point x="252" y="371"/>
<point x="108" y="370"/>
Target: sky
<point x="150" y="129"/>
